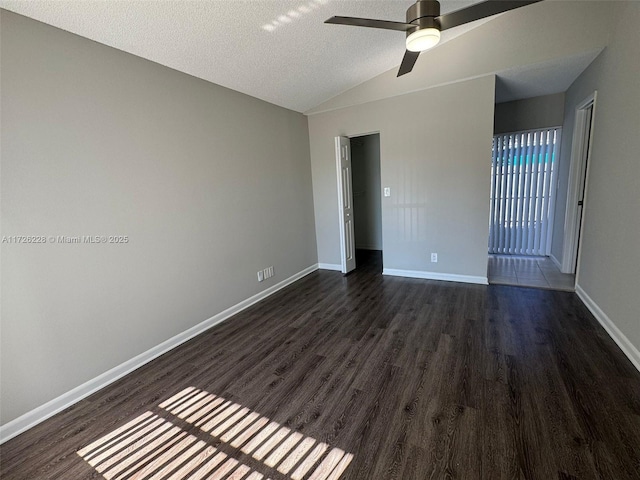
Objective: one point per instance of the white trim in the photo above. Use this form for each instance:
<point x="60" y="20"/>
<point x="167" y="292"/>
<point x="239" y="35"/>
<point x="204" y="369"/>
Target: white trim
<point x="614" y="332"/>
<point x="447" y="277"/>
<point x="555" y="261"/>
<point x="330" y="266"/>
<point x="41" y="413"/>
<point x="578" y="158"/>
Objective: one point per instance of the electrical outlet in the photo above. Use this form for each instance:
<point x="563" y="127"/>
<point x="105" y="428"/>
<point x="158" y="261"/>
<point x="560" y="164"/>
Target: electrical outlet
<point x="387" y="191"/>
<point x="266" y="273"/>
<point x="434" y="258"/>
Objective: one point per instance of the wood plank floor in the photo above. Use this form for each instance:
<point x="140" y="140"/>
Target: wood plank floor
<point x="363" y="377"/>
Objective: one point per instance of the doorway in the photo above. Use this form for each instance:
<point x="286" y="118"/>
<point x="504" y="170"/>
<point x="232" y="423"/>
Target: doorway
<point x="523" y="190"/>
<point x="578" y="177"/>
<point x="363" y="183"/>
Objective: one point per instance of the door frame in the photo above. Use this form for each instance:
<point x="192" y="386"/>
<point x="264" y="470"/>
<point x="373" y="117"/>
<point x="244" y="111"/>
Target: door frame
<point x="580" y="162"/>
<point x="343" y="236"/>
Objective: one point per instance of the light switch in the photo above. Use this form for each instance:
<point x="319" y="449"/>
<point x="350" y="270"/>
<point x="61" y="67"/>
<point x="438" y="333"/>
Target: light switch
<point x="387" y="191"/>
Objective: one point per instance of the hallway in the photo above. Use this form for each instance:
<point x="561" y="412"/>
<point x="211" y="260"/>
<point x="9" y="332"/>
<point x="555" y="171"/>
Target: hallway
<point x="537" y="272"/>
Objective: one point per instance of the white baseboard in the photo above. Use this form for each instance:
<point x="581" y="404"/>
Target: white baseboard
<point x="41" y="413"/>
<point x="330" y="266"/>
<point x="448" y="277"/>
<point x="614" y="332"/>
<point x="556" y="262"/>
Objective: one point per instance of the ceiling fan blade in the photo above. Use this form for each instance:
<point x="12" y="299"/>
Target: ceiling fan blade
<point x="408" y="61"/>
<point x="478" y="11"/>
<point x="367" y="22"/>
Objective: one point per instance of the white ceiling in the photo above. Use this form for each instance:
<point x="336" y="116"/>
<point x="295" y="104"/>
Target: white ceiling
<point x="298" y="62"/>
<point x="554" y="76"/>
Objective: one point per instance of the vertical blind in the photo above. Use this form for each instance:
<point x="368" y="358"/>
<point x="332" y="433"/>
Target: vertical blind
<point x="523" y="174"/>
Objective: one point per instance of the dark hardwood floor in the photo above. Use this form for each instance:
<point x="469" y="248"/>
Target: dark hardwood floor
<point x="363" y="377"/>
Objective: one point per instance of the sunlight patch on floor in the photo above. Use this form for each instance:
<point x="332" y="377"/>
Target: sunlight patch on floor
<point x="156" y="448"/>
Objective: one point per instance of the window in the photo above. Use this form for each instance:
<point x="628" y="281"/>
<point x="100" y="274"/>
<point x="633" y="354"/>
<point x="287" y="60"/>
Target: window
<point x="523" y="181"/>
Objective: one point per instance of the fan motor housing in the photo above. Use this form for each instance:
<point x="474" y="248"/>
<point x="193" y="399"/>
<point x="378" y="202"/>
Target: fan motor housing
<point x="423" y="14"/>
<point x="423" y="8"/>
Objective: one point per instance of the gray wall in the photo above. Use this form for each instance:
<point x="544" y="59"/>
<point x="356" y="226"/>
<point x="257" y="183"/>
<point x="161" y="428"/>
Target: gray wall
<point x="435" y="149"/>
<point x="529" y="114"/>
<point x="367" y="211"/>
<point x="610" y="259"/>
<point x="209" y="185"/>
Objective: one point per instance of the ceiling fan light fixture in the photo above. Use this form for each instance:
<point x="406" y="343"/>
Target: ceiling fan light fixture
<point x="423" y="39"/>
<point x="424" y="23"/>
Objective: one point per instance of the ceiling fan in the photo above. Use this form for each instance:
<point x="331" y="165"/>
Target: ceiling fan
<point x="424" y="23"/>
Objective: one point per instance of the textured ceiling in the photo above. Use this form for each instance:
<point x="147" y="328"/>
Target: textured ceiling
<point x="542" y="79"/>
<point x="276" y="50"/>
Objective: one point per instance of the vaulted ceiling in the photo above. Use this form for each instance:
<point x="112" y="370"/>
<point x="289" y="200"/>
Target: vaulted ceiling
<point x="276" y="50"/>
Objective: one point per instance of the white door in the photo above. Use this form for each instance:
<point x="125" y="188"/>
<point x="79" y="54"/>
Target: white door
<point x="345" y="204"/>
<point x="578" y="179"/>
<point x="583" y="182"/>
